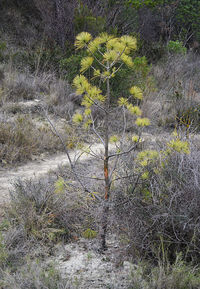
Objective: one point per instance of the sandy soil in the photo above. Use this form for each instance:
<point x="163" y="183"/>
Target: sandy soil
<point x="36" y="169"/>
<point x="42" y="167"/>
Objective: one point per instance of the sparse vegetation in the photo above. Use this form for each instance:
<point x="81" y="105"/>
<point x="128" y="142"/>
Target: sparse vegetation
<point x="22" y="139"/>
<point x="131" y="135"/>
<point x="162" y="216"/>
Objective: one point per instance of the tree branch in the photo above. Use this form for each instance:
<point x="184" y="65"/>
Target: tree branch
<point x="66" y="151"/>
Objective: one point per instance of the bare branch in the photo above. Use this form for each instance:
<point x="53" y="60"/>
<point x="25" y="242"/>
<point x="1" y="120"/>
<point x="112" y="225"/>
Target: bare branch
<point x="95" y="103"/>
<point x="97" y="134"/>
<point x="96" y="58"/>
<point x="123" y="153"/>
<point x="54" y="130"/>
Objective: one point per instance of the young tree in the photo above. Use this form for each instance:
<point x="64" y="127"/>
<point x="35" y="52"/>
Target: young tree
<point x="106" y="55"/>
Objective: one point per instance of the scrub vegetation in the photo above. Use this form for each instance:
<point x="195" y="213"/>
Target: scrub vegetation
<point x="113" y="87"/>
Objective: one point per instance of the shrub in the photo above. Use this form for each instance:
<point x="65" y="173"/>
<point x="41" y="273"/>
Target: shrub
<point x="18" y="86"/>
<point x="2" y="50"/>
<point x="39" y="216"/>
<point x="180" y="275"/>
<point x="161" y="206"/>
<point x="3" y="251"/>
<point x="34" y="274"/>
<point x="178" y="91"/>
<point x="22" y="139"/>
<point x="34" y="208"/>
<point x="70" y="66"/>
<point x="85" y="20"/>
<point x="89" y="234"/>
<point x="176" y="47"/>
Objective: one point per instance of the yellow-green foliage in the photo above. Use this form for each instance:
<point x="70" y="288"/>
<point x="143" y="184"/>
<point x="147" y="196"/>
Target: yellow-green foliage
<point x="82" y="39"/>
<point x="77" y="118"/>
<point x="87" y="111"/>
<point x="134" y="109"/>
<point x="142" y="121"/>
<point x="122" y="101"/>
<point x="135" y="138"/>
<point x="146" y="157"/>
<point x="114" y="139"/>
<point x="59" y="186"/>
<point x="179" y="146"/>
<point x="86" y="62"/>
<point x="3" y="251"/>
<point x="89" y="234"/>
<point x="106" y="54"/>
<point x="136" y="92"/>
<point x="145" y="175"/>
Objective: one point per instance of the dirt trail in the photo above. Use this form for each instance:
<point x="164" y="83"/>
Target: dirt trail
<point x="36" y="169"/>
<point x="42" y="167"/>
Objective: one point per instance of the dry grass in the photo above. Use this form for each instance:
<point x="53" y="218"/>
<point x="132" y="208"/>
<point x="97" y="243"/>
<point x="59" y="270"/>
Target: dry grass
<point x="178" y="91"/>
<point x="59" y="99"/>
<point x="159" y="213"/>
<point x="21" y="139"/>
<point x="16" y="87"/>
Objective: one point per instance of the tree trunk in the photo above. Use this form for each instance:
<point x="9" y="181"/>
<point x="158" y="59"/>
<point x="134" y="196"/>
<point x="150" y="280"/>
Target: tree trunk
<point x="105" y="210"/>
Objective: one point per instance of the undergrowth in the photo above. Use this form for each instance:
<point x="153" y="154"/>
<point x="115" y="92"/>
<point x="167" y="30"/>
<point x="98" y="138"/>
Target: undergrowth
<point x="22" y="139"/>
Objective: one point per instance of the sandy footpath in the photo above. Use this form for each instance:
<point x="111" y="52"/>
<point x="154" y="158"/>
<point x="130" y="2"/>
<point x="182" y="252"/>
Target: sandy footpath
<point x="37" y="169"/>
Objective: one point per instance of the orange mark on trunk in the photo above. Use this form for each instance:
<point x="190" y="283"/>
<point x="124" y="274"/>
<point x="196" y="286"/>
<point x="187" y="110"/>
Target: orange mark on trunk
<point x="106" y="173"/>
<point x="106" y="194"/>
<point x="106" y="181"/>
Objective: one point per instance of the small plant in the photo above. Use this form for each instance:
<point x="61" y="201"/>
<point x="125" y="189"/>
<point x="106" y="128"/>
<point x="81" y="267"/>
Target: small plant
<point x="106" y="55"/>
<point x="179" y="275"/>
<point x="2" y="49"/>
<point x="176" y="47"/>
<point x="3" y="251"/>
<point x="89" y="234"/>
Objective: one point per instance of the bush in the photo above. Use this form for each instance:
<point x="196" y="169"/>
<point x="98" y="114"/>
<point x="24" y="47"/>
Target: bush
<point x="38" y="217"/>
<point x="2" y="50"/>
<point x="180" y="275"/>
<point x="176" y="47"/>
<point x="178" y="90"/>
<point x="18" y="86"/>
<point x="70" y="66"/>
<point x="34" y="274"/>
<point x="160" y="210"/>
<point x="44" y="56"/>
<point x="22" y="139"/>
